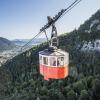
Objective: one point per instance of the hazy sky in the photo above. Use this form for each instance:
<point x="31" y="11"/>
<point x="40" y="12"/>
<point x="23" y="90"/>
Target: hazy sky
<point x="23" y="18"/>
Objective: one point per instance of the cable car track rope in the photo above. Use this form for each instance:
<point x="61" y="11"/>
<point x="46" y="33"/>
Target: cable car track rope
<point x="60" y="15"/>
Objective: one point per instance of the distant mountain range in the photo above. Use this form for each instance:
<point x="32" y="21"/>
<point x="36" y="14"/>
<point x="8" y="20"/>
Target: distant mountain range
<point x="21" y="42"/>
<point x="6" y="44"/>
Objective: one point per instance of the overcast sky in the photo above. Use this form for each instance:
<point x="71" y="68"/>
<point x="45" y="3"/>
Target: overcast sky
<point x="22" y="19"/>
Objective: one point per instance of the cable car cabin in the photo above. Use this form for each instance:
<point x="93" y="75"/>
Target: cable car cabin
<point x="54" y="64"/>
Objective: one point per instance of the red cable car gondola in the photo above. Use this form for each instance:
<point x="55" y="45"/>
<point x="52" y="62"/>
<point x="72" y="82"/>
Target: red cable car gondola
<point x="54" y="62"/>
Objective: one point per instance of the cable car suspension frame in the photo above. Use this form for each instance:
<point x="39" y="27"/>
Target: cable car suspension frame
<point x="51" y="23"/>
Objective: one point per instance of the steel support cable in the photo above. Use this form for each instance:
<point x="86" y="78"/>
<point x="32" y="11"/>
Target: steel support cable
<point x="55" y="19"/>
<point x="60" y="14"/>
<point x="46" y="36"/>
<point x="33" y="39"/>
<point x="70" y="8"/>
<point x="66" y="10"/>
<point x="72" y="4"/>
<point x="30" y="41"/>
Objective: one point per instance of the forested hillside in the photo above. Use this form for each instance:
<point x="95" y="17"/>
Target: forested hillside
<point x="23" y="81"/>
<point x="6" y="44"/>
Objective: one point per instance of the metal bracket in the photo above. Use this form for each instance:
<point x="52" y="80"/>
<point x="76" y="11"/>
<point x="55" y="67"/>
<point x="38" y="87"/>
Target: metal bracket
<point x="54" y="37"/>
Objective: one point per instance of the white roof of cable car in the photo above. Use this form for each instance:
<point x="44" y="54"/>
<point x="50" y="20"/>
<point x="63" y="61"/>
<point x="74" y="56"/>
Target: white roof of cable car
<point x="57" y="52"/>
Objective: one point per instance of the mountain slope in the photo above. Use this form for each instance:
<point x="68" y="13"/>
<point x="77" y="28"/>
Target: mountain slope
<point x="83" y="83"/>
<point x="91" y="29"/>
<point x="5" y="44"/>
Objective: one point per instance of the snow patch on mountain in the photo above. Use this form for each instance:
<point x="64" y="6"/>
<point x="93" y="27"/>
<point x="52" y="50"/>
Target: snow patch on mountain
<point x="91" y="46"/>
<point x="98" y="27"/>
<point x="93" y="23"/>
<point x="96" y="21"/>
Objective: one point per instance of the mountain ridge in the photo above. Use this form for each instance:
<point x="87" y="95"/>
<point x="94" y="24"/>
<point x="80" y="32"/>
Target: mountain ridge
<point x="21" y="42"/>
<point x="6" y="44"/>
